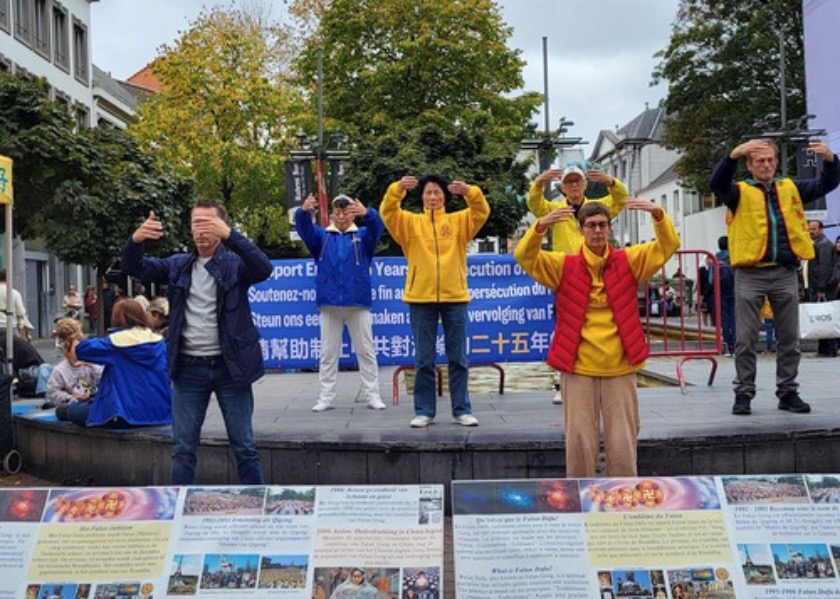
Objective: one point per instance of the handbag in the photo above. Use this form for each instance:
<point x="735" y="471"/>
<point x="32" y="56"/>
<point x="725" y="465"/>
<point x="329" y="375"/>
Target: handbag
<point x="820" y="320"/>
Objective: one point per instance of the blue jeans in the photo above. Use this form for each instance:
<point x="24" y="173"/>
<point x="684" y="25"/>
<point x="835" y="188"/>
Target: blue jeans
<point x="77" y="413"/>
<point x="424" y="326"/>
<point x="195" y="379"/>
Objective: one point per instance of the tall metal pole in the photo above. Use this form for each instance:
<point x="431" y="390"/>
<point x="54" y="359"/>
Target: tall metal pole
<point x="545" y="151"/>
<point x="783" y="102"/>
<point x="10" y="310"/>
<point x="323" y="203"/>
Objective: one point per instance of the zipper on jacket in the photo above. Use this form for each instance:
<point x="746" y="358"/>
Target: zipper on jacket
<point x="437" y="257"/>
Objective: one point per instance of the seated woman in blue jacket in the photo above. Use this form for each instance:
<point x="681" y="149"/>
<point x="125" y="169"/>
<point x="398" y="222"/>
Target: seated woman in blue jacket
<point x="135" y="388"/>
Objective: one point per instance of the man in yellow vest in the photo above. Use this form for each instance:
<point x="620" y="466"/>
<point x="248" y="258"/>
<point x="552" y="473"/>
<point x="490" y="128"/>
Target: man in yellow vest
<point x="768" y="236"/>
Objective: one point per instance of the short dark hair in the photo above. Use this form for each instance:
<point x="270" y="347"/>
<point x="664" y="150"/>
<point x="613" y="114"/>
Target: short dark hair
<point x="211" y="203"/>
<point x="341" y="202"/>
<point x="819" y="223"/>
<point x="440" y="180"/>
<point x="590" y="209"/>
<point x="723" y="242"/>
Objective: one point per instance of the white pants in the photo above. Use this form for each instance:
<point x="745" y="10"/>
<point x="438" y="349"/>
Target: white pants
<point x="358" y="321"/>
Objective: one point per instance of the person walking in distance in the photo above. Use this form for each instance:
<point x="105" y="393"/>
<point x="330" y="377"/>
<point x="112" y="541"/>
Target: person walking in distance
<point x="343" y="253"/>
<point x="212" y="343"/>
<point x="768" y="236"/>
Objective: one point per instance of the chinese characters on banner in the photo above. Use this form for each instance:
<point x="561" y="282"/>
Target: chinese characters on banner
<point x="510" y="316"/>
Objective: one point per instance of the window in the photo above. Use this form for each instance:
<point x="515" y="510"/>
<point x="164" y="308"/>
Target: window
<point x="81" y="62"/>
<point x="61" y="43"/>
<point x="4" y="15"/>
<point x="41" y="28"/>
<point x="23" y="21"/>
<point x="676" y="202"/>
<point x="81" y="116"/>
<point x="63" y="100"/>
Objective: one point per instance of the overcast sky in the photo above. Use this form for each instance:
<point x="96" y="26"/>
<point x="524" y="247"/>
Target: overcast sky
<point x="599" y="65"/>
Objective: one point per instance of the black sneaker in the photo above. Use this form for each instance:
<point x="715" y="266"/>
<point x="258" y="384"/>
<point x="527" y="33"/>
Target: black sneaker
<point x="742" y="405"/>
<point x="793" y="403"/>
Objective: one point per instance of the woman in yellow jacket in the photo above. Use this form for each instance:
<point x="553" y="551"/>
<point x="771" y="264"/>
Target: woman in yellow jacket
<point x="435" y="246"/>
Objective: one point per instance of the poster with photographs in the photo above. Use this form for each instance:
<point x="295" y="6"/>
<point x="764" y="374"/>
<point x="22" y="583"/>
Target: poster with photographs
<point x="356" y="542"/>
<point x="726" y="537"/>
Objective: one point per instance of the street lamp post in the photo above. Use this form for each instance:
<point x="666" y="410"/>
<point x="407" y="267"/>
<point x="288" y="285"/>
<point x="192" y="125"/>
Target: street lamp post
<point x="792" y="131"/>
<point x="311" y="148"/>
<point x="550" y="142"/>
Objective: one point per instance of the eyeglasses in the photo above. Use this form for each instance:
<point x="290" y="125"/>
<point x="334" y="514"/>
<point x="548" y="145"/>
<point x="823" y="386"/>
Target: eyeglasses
<point x="597" y="225"/>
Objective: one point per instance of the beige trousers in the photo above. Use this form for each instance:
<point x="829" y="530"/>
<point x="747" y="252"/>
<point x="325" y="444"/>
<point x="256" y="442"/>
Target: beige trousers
<point x="585" y="400"/>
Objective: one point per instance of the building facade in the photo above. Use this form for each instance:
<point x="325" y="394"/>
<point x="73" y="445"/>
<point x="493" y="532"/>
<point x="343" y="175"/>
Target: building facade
<point x="50" y="39"/>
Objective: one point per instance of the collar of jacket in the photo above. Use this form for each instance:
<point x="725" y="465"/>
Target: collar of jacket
<point x="436" y="211"/>
<point x="331" y="228"/>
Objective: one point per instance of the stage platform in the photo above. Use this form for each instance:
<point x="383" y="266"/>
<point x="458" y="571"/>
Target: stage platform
<point x="520" y="435"/>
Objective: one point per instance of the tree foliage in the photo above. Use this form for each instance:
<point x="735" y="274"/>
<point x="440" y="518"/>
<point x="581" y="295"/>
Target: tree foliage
<point x="722" y="67"/>
<point x="225" y="115"/>
<point x="420" y="87"/>
<point x="81" y="191"/>
<point x="462" y="155"/>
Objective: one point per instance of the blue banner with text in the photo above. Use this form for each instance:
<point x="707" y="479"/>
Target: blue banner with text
<point x="510" y="316"/>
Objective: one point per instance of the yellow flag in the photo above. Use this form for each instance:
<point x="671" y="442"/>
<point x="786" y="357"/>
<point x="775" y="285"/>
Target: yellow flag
<point x="6" y="195"/>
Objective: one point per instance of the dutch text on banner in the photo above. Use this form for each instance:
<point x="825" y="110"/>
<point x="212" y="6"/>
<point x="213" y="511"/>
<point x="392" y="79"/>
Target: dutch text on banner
<point x="510" y="316"/>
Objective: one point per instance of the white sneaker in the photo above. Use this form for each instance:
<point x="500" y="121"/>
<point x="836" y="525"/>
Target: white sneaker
<point x="376" y="404"/>
<point x="465" y="420"/>
<point x="558" y="397"/>
<point x="322" y="406"/>
<point x="421" y="421"/>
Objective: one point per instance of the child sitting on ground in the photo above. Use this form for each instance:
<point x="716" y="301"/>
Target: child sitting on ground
<point x="72" y="380"/>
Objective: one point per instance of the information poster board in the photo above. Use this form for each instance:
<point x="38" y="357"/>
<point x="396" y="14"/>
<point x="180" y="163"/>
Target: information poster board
<point x="365" y="542"/>
<point x="661" y="538"/>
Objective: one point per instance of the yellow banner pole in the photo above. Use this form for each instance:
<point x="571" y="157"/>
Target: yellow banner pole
<point x="7" y="198"/>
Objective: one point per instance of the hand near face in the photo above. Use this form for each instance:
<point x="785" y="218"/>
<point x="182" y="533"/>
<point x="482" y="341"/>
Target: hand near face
<point x="209" y="225"/>
<point x="749" y="147"/>
<point x="408" y="182"/>
<point x="644" y="206"/>
<point x="151" y="228"/>
<point x="821" y="149"/>
<point x="458" y="188"/>
<point x="557" y="215"/>
<point x="547" y="176"/>
<point x="597" y="176"/>
<point x="357" y="208"/>
<point x="309" y="204"/>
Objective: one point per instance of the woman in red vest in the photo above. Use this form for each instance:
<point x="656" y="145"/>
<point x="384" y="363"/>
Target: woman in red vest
<point x="598" y="341"/>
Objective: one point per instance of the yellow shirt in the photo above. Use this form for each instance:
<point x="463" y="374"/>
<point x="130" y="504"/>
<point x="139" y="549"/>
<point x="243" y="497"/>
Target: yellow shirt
<point x="566" y="236"/>
<point x="600" y="352"/>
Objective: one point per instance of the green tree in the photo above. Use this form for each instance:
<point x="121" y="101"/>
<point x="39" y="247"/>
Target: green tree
<point x="82" y="191"/>
<point x="423" y="86"/>
<point x="225" y="114"/>
<point x="377" y="163"/>
<point x="90" y="218"/>
<point x="722" y="68"/>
